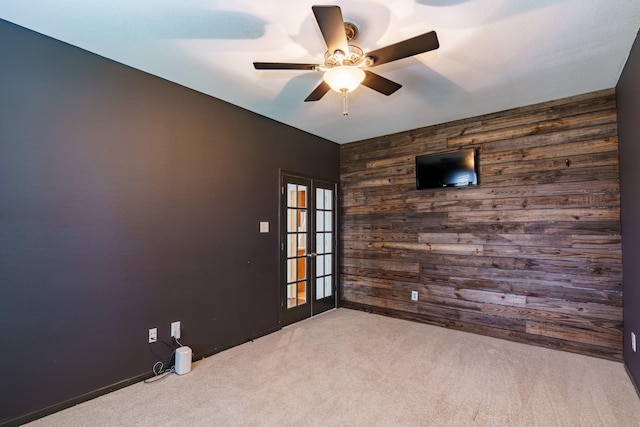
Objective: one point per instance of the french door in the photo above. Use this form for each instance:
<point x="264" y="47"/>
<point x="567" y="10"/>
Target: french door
<point x="308" y="247"/>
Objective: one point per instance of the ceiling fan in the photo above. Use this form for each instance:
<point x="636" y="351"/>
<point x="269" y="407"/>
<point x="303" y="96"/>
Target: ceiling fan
<point x="346" y="66"/>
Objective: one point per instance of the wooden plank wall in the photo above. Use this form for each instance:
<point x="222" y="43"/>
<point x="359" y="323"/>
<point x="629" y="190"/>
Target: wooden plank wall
<point x="532" y="254"/>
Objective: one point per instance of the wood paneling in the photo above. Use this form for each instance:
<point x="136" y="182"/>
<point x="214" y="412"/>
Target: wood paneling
<point x="533" y="254"/>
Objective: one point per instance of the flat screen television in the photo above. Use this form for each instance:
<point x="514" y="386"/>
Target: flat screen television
<point x="454" y="169"/>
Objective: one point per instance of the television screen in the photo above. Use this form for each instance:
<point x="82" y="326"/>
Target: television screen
<point x="455" y="169"/>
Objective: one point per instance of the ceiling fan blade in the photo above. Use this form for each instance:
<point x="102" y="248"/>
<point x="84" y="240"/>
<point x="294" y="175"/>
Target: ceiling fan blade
<point x="379" y="83"/>
<point x="413" y="46"/>
<point x="332" y="27"/>
<point x="318" y="92"/>
<point x="283" y="66"/>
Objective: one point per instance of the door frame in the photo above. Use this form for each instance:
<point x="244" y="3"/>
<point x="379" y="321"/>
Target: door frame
<point x="289" y="316"/>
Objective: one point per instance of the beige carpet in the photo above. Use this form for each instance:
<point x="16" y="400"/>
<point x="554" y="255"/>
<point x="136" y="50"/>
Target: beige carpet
<point x="350" y="368"/>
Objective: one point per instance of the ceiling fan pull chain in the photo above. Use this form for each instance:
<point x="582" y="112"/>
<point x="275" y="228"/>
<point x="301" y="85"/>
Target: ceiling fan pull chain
<point x="345" y="111"/>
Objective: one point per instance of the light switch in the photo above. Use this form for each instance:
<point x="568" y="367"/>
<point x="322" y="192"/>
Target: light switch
<point x="264" y="226"/>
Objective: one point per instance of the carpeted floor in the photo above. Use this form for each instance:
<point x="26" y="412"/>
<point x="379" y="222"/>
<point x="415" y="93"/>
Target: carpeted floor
<point x="350" y="368"/>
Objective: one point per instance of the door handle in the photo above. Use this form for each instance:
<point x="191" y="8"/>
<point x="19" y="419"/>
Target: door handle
<point x="312" y="254"/>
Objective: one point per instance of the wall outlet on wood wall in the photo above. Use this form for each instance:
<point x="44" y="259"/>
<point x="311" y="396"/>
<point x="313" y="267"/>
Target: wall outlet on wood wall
<point x="414" y="295"/>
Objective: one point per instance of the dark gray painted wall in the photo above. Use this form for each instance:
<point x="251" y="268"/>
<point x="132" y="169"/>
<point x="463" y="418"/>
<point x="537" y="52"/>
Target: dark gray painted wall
<point x="128" y="202"/>
<point x="628" y="103"/>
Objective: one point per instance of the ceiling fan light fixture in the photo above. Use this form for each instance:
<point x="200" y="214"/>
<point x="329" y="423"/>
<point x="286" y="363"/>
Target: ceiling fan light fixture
<point x="344" y="78"/>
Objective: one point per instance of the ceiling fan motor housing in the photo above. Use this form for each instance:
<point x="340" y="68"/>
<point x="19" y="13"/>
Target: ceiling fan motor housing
<point x="335" y="59"/>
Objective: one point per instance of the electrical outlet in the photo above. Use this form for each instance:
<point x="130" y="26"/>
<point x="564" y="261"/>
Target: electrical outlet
<point x="175" y="329"/>
<point x="414" y="295"/>
<point x="633" y="342"/>
<point x="153" y="335"/>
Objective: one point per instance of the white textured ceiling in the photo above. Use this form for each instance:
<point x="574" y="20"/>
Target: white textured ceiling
<point x="493" y="55"/>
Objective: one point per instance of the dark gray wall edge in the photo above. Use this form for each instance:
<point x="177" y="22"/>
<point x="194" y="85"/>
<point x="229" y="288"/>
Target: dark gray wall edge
<point x="628" y="104"/>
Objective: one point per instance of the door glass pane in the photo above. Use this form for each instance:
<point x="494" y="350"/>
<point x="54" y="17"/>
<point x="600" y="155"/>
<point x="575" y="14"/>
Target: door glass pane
<point x="319" y="198"/>
<point x="319" y="243"/>
<point x="319" y="221"/>
<point x="328" y="289"/>
<point x="292" y="224"/>
<point x="319" y="288"/>
<point x="302" y="220"/>
<point x="302" y="292"/>
<point x="327" y="263"/>
<point x="292" y="193"/>
<point x="302" y="268"/>
<point x="291" y="270"/>
<point x="302" y="196"/>
<point x="302" y="244"/>
<point x="328" y="223"/>
<point x="291" y="246"/>
<point x="327" y="242"/>
<point x="320" y="265"/>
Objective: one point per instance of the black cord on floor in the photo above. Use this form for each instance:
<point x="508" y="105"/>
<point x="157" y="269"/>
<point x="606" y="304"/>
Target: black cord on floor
<point x="158" y="369"/>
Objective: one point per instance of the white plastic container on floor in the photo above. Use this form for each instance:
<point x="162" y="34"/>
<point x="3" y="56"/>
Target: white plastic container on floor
<point x="183" y="360"/>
